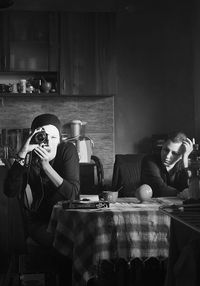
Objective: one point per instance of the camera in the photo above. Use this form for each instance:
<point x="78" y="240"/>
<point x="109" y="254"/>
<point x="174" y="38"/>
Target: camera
<point x="39" y="138"/>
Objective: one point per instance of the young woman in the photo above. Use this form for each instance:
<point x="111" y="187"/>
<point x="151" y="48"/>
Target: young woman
<point x="45" y="171"/>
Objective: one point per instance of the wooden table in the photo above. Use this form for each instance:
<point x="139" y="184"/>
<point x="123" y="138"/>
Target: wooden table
<point x="127" y="229"/>
<point x="184" y="252"/>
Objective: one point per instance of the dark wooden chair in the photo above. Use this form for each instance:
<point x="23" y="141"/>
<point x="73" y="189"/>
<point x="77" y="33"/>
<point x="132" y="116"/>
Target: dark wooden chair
<point x="38" y="264"/>
<point x="12" y="235"/>
<point x="127" y="173"/>
<point x="21" y="259"/>
<point x="91" y="176"/>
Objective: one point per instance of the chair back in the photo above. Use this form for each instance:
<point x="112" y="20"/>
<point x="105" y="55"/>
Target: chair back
<point x="12" y="234"/>
<point x="127" y="173"/>
<point x="91" y="176"/>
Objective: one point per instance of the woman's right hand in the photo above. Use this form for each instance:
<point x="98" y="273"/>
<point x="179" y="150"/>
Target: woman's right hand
<point x="27" y="147"/>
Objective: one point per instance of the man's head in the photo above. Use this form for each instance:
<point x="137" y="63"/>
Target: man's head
<point x="52" y="127"/>
<point x="172" y="149"/>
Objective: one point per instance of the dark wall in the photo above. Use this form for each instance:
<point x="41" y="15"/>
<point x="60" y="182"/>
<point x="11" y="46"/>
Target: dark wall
<point x="155" y="56"/>
<point x="197" y="70"/>
<point x="155" y="75"/>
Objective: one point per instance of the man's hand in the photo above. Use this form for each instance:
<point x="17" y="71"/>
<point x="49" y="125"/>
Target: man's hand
<point x="187" y="149"/>
<point x="184" y="195"/>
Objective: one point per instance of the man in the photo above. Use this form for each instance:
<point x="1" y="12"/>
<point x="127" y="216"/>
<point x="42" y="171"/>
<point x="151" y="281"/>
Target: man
<point x="166" y="173"/>
<point x="45" y="171"/>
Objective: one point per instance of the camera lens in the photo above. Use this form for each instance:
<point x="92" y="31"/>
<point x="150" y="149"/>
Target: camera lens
<point x="40" y="137"/>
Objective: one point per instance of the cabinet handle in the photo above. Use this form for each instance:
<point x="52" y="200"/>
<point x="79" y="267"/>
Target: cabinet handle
<point x="4" y="62"/>
<point x="63" y="84"/>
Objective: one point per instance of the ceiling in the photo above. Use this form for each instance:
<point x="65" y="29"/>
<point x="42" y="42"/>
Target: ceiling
<point x="84" y="5"/>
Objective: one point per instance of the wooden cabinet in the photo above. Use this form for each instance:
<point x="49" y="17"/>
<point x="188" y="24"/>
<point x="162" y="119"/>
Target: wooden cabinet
<point x="4" y="50"/>
<point x="79" y="47"/>
<point x="29" y="41"/>
<point x="87" y="59"/>
<point x="29" y="49"/>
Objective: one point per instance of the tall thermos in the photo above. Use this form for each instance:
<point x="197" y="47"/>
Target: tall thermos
<point x="75" y="127"/>
<point x="83" y="143"/>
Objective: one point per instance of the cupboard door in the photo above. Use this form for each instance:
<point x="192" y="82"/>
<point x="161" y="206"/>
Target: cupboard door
<point x="32" y="41"/>
<point x="87" y="54"/>
<point x="4" y="47"/>
<point x="105" y="61"/>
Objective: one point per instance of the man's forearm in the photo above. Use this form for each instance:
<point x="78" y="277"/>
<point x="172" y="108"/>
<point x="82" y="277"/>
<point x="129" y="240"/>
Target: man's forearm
<point x="185" y="161"/>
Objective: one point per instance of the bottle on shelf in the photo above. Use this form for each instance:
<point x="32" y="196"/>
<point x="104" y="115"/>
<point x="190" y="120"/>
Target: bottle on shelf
<point x="195" y="155"/>
<point x="194" y="172"/>
<point x="39" y="86"/>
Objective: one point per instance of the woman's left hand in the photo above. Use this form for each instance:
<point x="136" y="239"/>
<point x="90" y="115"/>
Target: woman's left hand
<point x="44" y="155"/>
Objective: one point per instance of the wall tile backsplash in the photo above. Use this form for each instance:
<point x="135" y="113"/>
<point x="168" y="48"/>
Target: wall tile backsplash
<point x="17" y="113"/>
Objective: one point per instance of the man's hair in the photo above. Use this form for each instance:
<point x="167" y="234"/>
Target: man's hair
<point x="177" y="136"/>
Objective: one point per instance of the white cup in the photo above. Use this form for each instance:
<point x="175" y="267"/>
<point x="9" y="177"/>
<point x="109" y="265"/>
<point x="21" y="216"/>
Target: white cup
<point x="23" y="85"/>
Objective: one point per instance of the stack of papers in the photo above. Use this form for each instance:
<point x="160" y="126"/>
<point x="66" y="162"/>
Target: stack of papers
<point x="169" y="201"/>
<point x="153" y="203"/>
<point x="89" y="198"/>
<point x="83" y="205"/>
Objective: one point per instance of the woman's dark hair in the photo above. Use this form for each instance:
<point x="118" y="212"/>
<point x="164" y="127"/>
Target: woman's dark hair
<point x="46" y="119"/>
<point x="177" y="136"/>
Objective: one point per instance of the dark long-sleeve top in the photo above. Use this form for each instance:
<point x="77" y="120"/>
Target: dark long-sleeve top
<point x="45" y="193"/>
<point x="163" y="183"/>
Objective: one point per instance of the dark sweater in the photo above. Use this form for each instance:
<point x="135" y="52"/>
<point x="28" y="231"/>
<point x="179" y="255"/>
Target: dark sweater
<point x="162" y="182"/>
<point x="45" y="194"/>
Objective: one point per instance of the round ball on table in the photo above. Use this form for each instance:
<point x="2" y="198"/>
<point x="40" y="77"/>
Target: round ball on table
<point x="144" y="193"/>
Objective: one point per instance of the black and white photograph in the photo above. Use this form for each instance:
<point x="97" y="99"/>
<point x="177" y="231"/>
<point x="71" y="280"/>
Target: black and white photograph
<point x="99" y="143"/>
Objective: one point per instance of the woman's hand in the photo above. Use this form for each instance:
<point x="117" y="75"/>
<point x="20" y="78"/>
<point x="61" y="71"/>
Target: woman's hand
<point x="46" y="151"/>
<point x="44" y="155"/>
<point x="27" y="147"/>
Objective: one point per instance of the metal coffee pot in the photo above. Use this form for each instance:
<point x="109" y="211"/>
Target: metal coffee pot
<point x="77" y="128"/>
<point x="83" y="143"/>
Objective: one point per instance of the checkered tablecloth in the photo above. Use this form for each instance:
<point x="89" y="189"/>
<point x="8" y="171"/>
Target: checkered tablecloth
<point x="125" y="230"/>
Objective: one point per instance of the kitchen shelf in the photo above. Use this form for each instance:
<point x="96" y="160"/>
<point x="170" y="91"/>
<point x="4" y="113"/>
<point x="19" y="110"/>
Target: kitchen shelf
<point x="33" y="77"/>
<point x="10" y="94"/>
<point x="51" y="94"/>
<point x="27" y="73"/>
